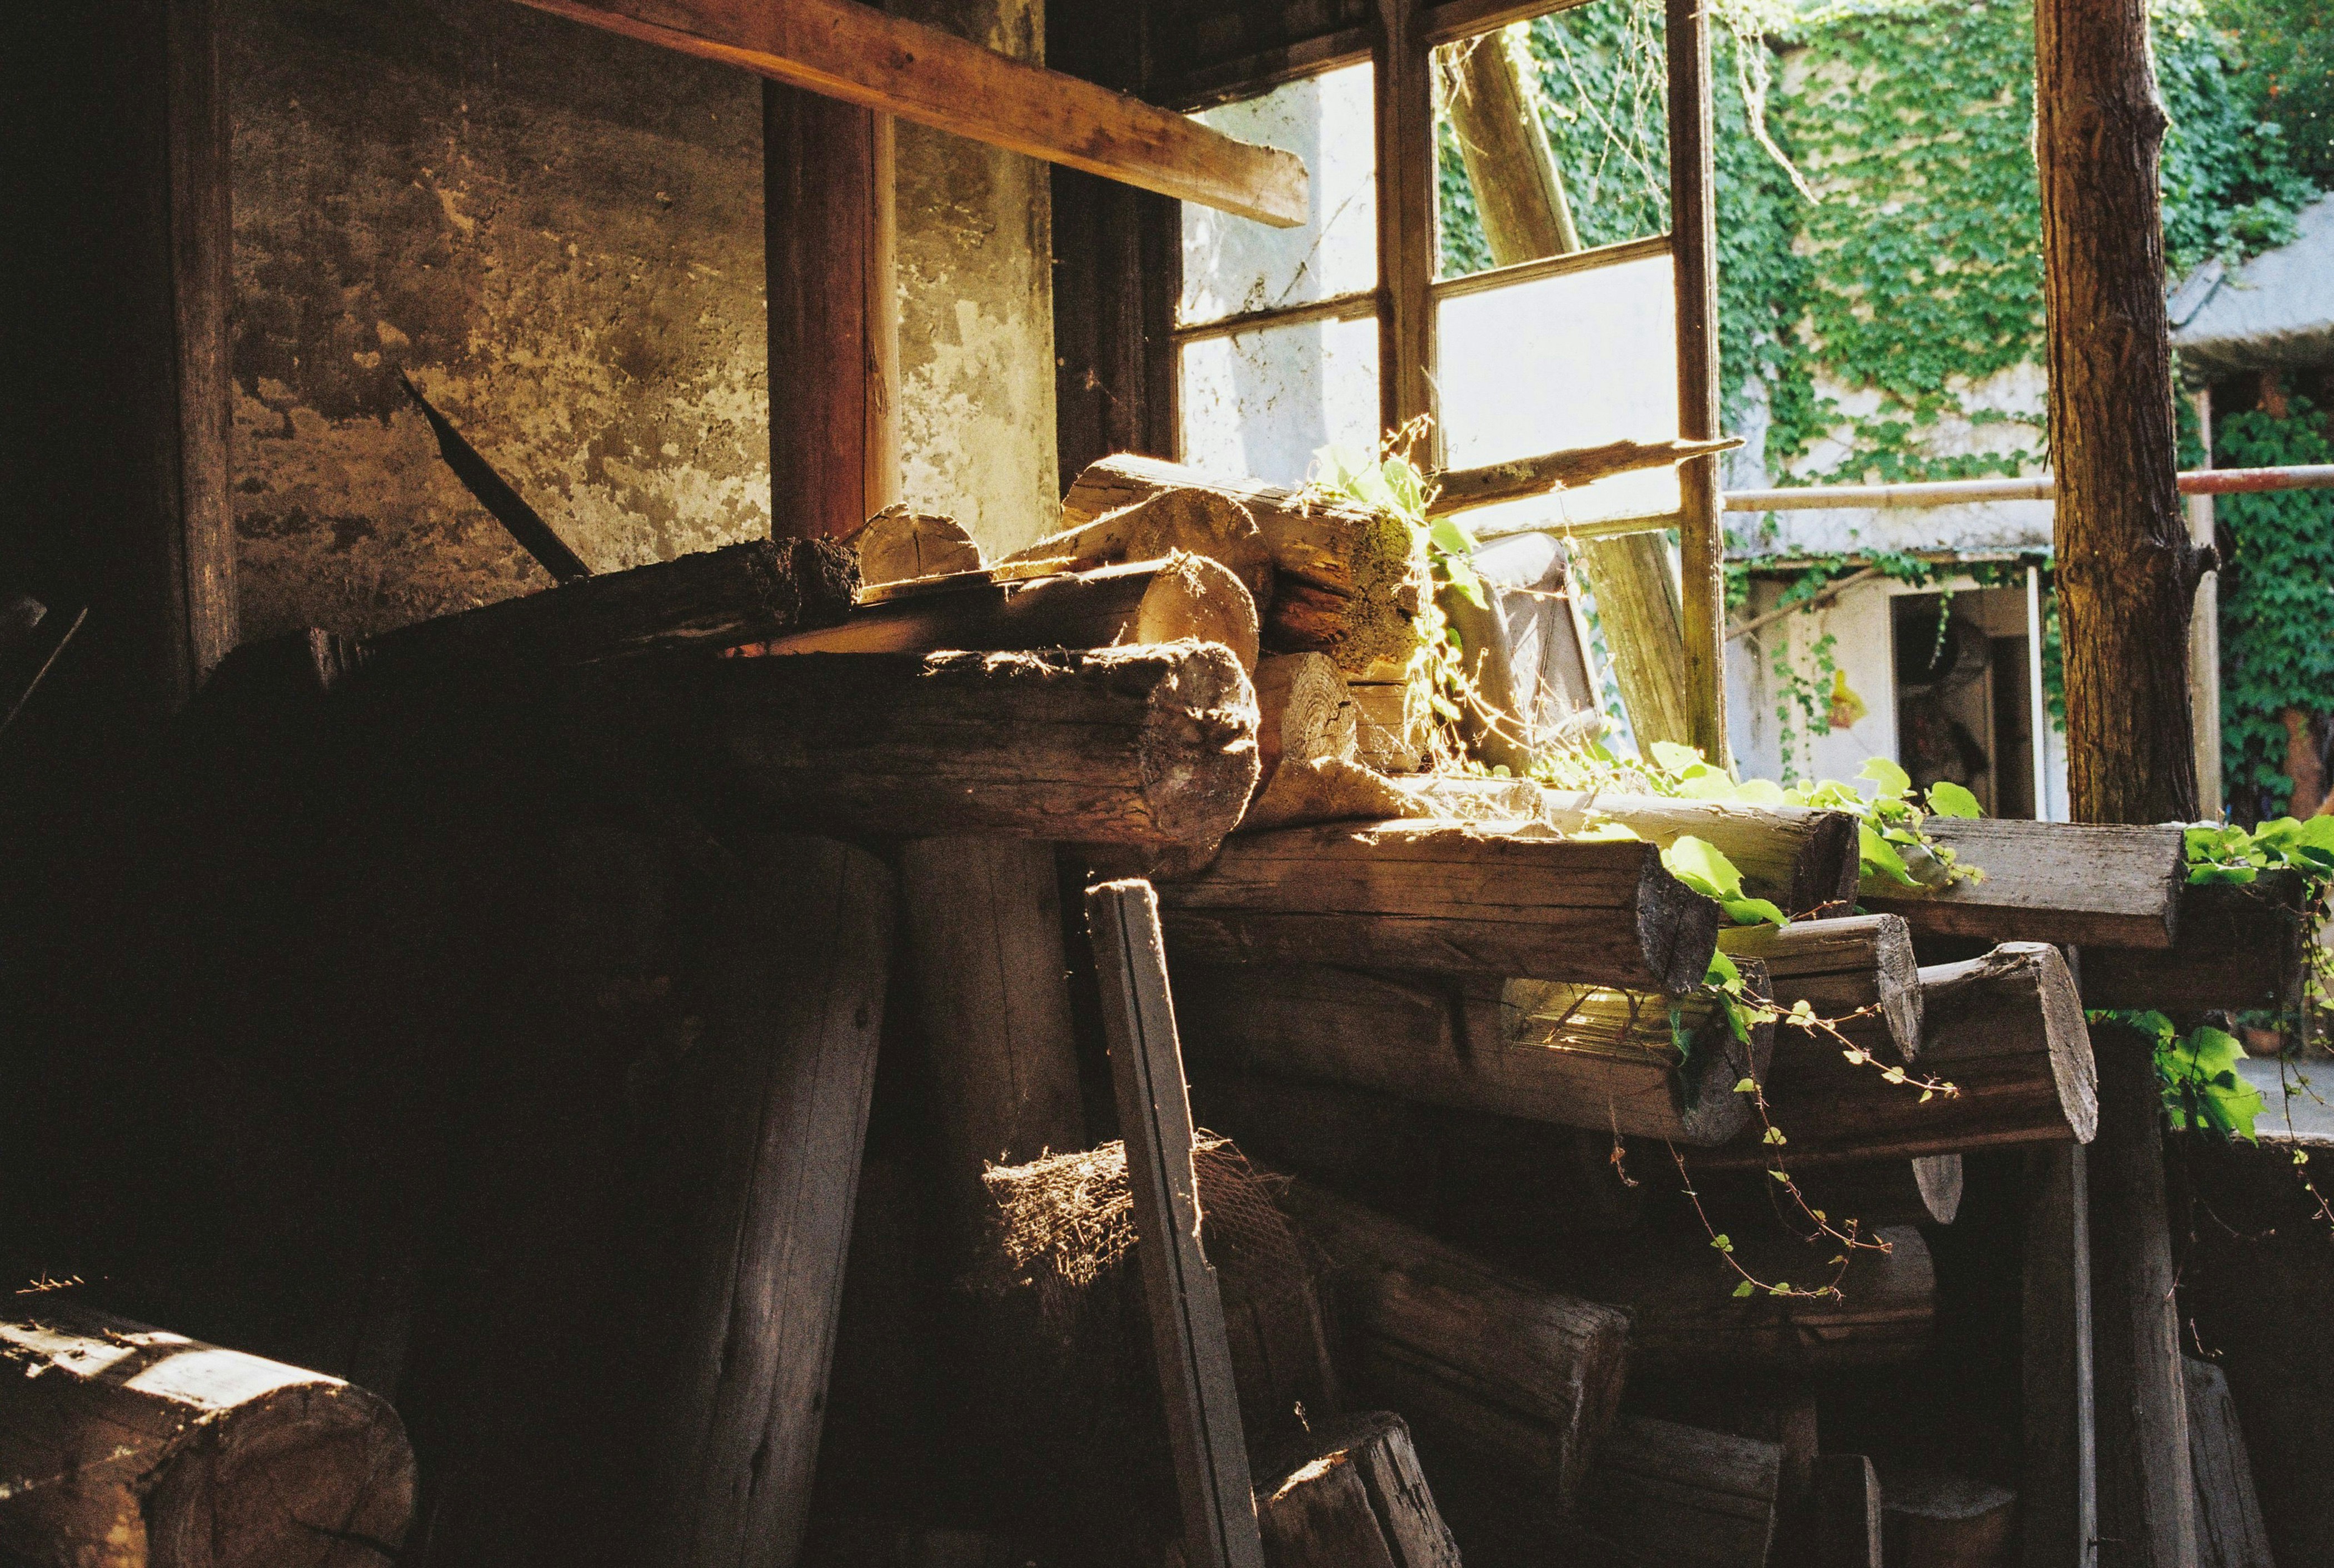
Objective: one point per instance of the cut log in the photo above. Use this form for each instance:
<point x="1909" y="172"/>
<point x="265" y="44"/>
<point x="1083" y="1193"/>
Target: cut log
<point x="1179" y="1288"/>
<point x="1142" y="745"/>
<point x="2229" y="1529"/>
<point x="1930" y="1519"/>
<point x="1153" y="602"/>
<point x="1355" y="1499"/>
<point x="921" y="73"/>
<point x="1848" y="1512"/>
<point x="2239" y="947"/>
<point x="899" y="546"/>
<point x="1483" y="1365"/>
<point x="1464" y="489"/>
<point x="1805" y="861"/>
<point x="1685" y="1318"/>
<point x="1681" y="1495"/>
<point x="1203" y="522"/>
<point x="1576" y="1056"/>
<point x="1350" y="581"/>
<point x="716" y="598"/>
<point x="2006" y="1030"/>
<point x="122" y="1446"/>
<point x="1450" y="898"/>
<point x="2114" y="887"/>
<point x="1839" y="967"/>
<point x="1304" y="712"/>
<point x="1392" y="725"/>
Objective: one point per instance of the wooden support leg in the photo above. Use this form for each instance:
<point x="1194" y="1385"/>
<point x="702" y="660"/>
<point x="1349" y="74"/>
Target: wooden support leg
<point x="1187" y="1316"/>
<point x="2060" y="1502"/>
<point x="2147" y="1495"/>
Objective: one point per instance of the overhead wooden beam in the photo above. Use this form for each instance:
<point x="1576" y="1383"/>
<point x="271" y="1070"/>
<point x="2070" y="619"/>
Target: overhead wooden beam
<point x="1464" y="489"/>
<point x="841" y="48"/>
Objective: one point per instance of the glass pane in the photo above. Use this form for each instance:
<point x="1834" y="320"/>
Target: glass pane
<point x="1260" y="404"/>
<point x="1552" y="136"/>
<point x="1570" y="360"/>
<point x="1236" y="264"/>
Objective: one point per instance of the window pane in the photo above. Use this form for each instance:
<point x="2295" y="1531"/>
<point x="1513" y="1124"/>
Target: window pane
<point x="1570" y="360"/>
<point x="1260" y="404"/>
<point x="1235" y="264"/>
<point x="1552" y="136"/>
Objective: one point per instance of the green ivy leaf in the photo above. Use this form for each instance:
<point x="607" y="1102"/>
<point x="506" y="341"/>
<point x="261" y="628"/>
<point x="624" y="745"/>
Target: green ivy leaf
<point x="1672" y="757"/>
<point x="1700" y="865"/>
<point x="1894" y="783"/>
<point x="1880" y="858"/>
<point x="1948" y="799"/>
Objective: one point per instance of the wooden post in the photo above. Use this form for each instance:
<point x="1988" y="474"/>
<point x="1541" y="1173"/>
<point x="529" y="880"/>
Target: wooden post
<point x="1848" y="1512"/>
<point x="2127" y="567"/>
<point x="834" y="326"/>
<point x="119" y="259"/>
<point x="2060" y="1518"/>
<point x="2146" y="1493"/>
<point x="1187" y="1316"/>
<point x="2204" y="637"/>
<point x="1404" y="124"/>
<point x="1694" y="255"/>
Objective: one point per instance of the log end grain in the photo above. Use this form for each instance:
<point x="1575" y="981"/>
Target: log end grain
<point x="1823" y="878"/>
<point x="899" y="546"/>
<point x="1676" y="926"/>
<point x="1199" y="741"/>
<point x="1193" y="597"/>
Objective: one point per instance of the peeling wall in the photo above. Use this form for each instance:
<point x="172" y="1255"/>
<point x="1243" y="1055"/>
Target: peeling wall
<point x="557" y="232"/>
<point x="977" y="311"/>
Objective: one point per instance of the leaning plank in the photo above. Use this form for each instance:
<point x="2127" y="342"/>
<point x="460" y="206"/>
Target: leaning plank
<point x="1684" y="1319"/>
<point x="1804" y="860"/>
<point x="1353" y="1497"/>
<point x="716" y="598"/>
<point x="1464" y="489"/>
<point x="839" y="49"/>
<point x="1184" y="597"/>
<point x="1203" y="522"/>
<point x="1145" y="745"/>
<point x="1841" y="967"/>
<point x="1848" y="1512"/>
<point x="1512" y="1375"/>
<point x="1573" y="1055"/>
<point x="1350" y="581"/>
<point x="1447" y="896"/>
<point x="1179" y="1288"/>
<point x="2048" y="882"/>
<point x="2006" y="1030"/>
<point x="123" y="1444"/>
<point x="2229" y="1529"/>
<point x="1681" y="1495"/>
<point x="2239" y="947"/>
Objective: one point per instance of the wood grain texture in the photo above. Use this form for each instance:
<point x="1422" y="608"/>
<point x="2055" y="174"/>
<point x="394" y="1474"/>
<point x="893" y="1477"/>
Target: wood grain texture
<point x="1683" y="1495"/>
<point x="2238" y="947"/>
<point x="1203" y="522"/>
<point x="899" y="545"/>
<point x="781" y="1083"/>
<point x="124" y="1446"/>
<point x="2115" y="887"/>
<point x="1446" y="897"/>
<point x="1305" y="711"/>
<point x="2229" y="1529"/>
<point x="1185" y="596"/>
<point x="1349" y="582"/>
<point x="1838" y="967"/>
<point x="1693" y="271"/>
<point x="830" y="228"/>
<point x="854" y="52"/>
<point x="1482" y="1364"/>
<point x="1803" y="861"/>
<point x="1179" y="1288"/>
<point x="1637" y="602"/>
<point x="1355" y="1498"/>
<point x="2146" y="1488"/>
<point x="1603" y="1060"/>
<point x="2059" y="1481"/>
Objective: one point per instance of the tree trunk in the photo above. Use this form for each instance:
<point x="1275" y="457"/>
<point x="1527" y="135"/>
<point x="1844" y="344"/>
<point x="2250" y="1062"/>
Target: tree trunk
<point x="2127" y="567"/>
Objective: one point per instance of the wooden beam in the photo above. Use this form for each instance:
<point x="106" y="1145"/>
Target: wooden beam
<point x="843" y="50"/>
<point x="2117" y="887"/>
<point x="1684" y="1496"/>
<point x="1848" y="1512"/>
<point x="2238" y="947"/>
<point x="1464" y="489"/>
<point x="1403" y="87"/>
<point x="829" y="259"/>
<point x="1186" y="1314"/>
<point x="2059" y="1517"/>
<point x="1804" y="860"/>
<point x="1694" y="255"/>
<point x="1840" y="966"/>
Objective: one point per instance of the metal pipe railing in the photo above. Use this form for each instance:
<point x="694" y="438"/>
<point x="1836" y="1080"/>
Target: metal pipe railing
<point x="2041" y="487"/>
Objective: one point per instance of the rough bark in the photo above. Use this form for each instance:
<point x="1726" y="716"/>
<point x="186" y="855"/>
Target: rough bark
<point x="1203" y="522"/>
<point x="2117" y="887"/>
<point x="1354" y="1497"/>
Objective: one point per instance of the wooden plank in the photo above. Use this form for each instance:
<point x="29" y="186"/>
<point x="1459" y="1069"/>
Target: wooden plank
<point x="1353" y="1497"/>
<point x="1848" y="1512"/>
<point x="1694" y="257"/>
<point x="2115" y="887"/>
<point x="2060" y="1519"/>
<point x="854" y="53"/>
<point x="2229" y="1529"/>
<point x="1187" y="1323"/>
<point x="1683" y="1495"/>
<point x="522" y="522"/>
<point x="2146" y="1490"/>
<point x="1464" y="489"/>
<point x="2238" y="947"/>
<point x="829" y="229"/>
<point x="1637" y="604"/>
<point x="1447" y="896"/>
<point x="1804" y="860"/>
<point x="1512" y="1375"/>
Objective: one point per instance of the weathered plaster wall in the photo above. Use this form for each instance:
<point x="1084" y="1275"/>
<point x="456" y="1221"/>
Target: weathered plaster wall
<point x="976" y="309"/>
<point x="557" y="232"/>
